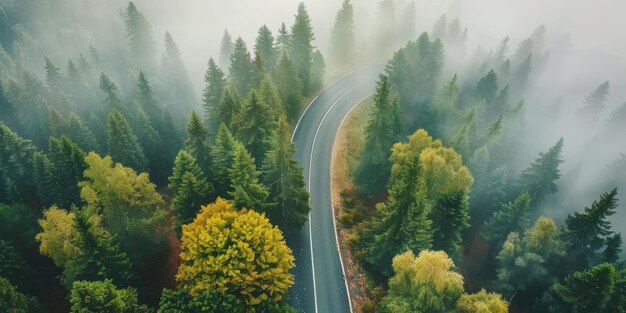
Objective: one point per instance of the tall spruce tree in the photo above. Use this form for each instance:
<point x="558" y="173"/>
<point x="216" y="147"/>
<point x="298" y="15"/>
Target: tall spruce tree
<point x="198" y="142"/>
<point x="215" y="82"/>
<point x="264" y="47"/>
<point x="247" y="190"/>
<point x="342" y="34"/>
<point x="254" y="126"/>
<point x="301" y="47"/>
<point x="140" y="40"/>
<point x="222" y="154"/>
<point x="16" y="166"/>
<point x="226" y="49"/>
<point x="283" y="40"/>
<point x="179" y="94"/>
<point x="123" y="144"/>
<point x="595" y="103"/>
<point x="191" y="189"/>
<point x="539" y="179"/>
<point x="67" y="166"/>
<point x="289" y="87"/>
<point x="112" y="99"/>
<point x="381" y="132"/>
<point x="285" y="179"/>
<point x="241" y="68"/>
<point x="229" y="106"/>
<point x="513" y="217"/>
<point x="450" y="217"/>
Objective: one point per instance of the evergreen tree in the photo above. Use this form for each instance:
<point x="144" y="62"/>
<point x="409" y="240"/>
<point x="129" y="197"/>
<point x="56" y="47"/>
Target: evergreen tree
<point x="179" y="94"/>
<point x="229" y="106"/>
<point x="513" y="217"/>
<point x="289" y="87"/>
<point x="385" y="26"/>
<point x="254" y="125"/>
<point x="112" y="100"/>
<point x="519" y="77"/>
<point x="268" y="94"/>
<point x="407" y="27"/>
<point x="198" y="142"/>
<point x="283" y="40"/>
<point x="381" y="133"/>
<point x="589" y="232"/>
<point x="342" y="34"/>
<point x="14" y="268"/>
<point x="318" y="68"/>
<point x="444" y="105"/>
<point x="123" y="144"/>
<point x="67" y="167"/>
<point x="487" y="88"/>
<point x="190" y="188"/>
<point x="301" y="47"/>
<point x="226" y="50"/>
<point x="538" y="180"/>
<point x="81" y="134"/>
<point x="215" y="83"/>
<point x="241" y="67"/>
<point x="16" y="166"/>
<point x="440" y="28"/>
<point x="140" y="40"/>
<point x="285" y="179"/>
<point x="264" y="47"/>
<point x="450" y="217"/>
<point x="98" y="256"/>
<point x="222" y="154"/>
<point x="595" y="103"/>
<point x="12" y="300"/>
<point x="247" y="191"/>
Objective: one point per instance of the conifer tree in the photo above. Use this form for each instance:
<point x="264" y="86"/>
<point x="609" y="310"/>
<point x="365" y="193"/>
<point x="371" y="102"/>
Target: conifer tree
<point x="198" y="142"/>
<point x="222" y="154"/>
<point x="342" y="34"/>
<point x="112" y="99"/>
<point x="215" y="82"/>
<point x="226" y="49"/>
<point x="190" y="187"/>
<point x="539" y="179"/>
<point x="589" y="232"/>
<point x="229" y="106"/>
<point x="179" y="94"/>
<point x="140" y="40"/>
<point x="513" y="217"/>
<point x="444" y="105"/>
<point x="16" y="166"/>
<point x="595" y="102"/>
<point x="68" y="165"/>
<point x="241" y="68"/>
<point x="254" y="125"/>
<point x="98" y="257"/>
<point x="247" y="190"/>
<point x="264" y="46"/>
<point x="301" y="47"/>
<point x="407" y="28"/>
<point x="104" y="296"/>
<point x="283" y="40"/>
<point x="81" y="134"/>
<point x="268" y="94"/>
<point x="289" y="87"/>
<point x="318" y="68"/>
<point x="385" y="25"/>
<point x="13" y="300"/>
<point x="381" y="133"/>
<point x="285" y="179"/>
<point x="123" y="144"/>
<point x="450" y="217"/>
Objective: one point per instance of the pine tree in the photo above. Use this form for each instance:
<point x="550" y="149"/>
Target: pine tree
<point x="301" y="47"/>
<point x="450" y="217"/>
<point x="222" y="154"/>
<point x="99" y="257"/>
<point x="190" y="188"/>
<point x="589" y="232"/>
<point x="241" y="68"/>
<point x="81" y="134"/>
<point x="123" y="144"/>
<point x="538" y="180"/>
<point x="226" y="50"/>
<point x="229" y="106"/>
<point x="285" y="179"/>
<point x="254" y="126"/>
<point x="513" y="217"/>
<point x="487" y="88"/>
<point x="342" y="34"/>
<point x="198" y="142"/>
<point x="140" y="40"/>
<point x="247" y="191"/>
<point x="215" y="83"/>
<point x="595" y="102"/>
<point x="283" y="40"/>
<point x="16" y="166"/>
<point x="268" y="94"/>
<point x="179" y="94"/>
<point x="68" y="165"/>
<point x="112" y="100"/>
<point x="289" y="87"/>
<point x="264" y="46"/>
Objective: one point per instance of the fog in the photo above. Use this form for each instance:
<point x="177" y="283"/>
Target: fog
<point x="585" y="41"/>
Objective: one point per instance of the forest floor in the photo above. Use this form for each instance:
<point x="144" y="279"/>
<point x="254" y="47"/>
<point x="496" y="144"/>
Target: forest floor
<point x="347" y="146"/>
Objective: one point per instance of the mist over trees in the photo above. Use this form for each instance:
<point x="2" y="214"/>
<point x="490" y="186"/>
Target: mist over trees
<point x="146" y="161"/>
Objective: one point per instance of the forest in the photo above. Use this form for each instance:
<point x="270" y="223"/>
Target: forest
<point x="139" y="177"/>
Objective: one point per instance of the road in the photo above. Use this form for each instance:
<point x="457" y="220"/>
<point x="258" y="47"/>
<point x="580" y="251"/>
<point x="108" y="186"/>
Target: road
<point x="320" y="286"/>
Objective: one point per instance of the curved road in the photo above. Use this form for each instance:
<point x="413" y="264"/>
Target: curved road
<point x="319" y="281"/>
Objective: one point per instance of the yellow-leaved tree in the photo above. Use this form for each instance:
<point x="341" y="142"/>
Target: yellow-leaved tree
<point x="234" y="252"/>
<point x="55" y="237"/>
<point x="483" y="302"/>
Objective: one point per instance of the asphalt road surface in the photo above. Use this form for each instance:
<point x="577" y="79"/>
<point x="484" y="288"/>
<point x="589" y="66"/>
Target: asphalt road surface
<point x="320" y="286"/>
